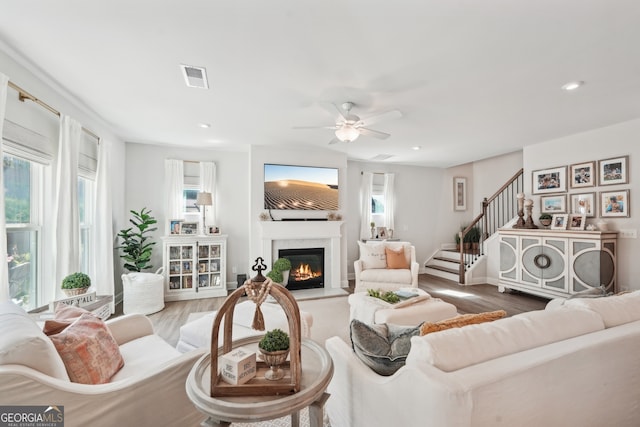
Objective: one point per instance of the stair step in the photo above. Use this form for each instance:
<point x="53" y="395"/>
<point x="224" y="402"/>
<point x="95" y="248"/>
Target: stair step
<point x="441" y="268"/>
<point x="442" y="274"/>
<point x="455" y="261"/>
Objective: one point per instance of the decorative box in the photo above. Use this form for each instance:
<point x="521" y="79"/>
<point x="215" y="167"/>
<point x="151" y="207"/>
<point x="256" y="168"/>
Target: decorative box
<point x="238" y="366"/>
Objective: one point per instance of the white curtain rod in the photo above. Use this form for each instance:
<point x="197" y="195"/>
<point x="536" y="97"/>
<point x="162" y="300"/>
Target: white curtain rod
<point x="24" y="95"/>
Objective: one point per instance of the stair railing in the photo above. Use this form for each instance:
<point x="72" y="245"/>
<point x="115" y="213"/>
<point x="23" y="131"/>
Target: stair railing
<point x="497" y="210"/>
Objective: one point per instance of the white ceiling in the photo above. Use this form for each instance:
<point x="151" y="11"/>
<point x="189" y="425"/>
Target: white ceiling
<point x="473" y="78"/>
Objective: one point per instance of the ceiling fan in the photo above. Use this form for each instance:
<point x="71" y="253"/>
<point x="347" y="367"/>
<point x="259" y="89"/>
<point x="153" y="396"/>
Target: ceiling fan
<point x="349" y="127"/>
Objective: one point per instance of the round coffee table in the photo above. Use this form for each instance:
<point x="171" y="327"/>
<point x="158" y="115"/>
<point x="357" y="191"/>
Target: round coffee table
<point x="317" y="370"/>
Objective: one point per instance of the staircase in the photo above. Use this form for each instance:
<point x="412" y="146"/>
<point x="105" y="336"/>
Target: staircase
<point x="445" y="264"/>
<point x="497" y="211"/>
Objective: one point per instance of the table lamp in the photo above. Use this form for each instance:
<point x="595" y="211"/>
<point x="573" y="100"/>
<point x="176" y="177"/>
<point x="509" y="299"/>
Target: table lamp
<point x="204" y="199"/>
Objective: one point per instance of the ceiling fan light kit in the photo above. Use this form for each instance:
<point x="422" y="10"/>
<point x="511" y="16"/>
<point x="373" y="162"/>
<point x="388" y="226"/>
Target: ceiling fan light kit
<point x="349" y="126"/>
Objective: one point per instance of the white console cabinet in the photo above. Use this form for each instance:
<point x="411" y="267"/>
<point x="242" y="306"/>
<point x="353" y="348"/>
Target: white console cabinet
<point x="556" y="263"/>
<point x="195" y="266"/>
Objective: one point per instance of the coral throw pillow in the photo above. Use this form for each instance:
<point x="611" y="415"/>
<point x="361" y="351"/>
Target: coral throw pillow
<point x="396" y="259"/>
<point x="460" y="321"/>
<point x="65" y="315"/>
<point x="90" y="353"/>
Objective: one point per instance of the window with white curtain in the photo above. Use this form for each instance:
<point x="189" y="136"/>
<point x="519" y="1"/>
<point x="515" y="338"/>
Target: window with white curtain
<point x="378" y="200"/>
<point x="86" y="188"/>
<point x="23" y="208"/>
<point x="191" y="187"/>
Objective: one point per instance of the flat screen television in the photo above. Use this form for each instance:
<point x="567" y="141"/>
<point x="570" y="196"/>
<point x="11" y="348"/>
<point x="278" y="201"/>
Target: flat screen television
<point x="290" y="187"/>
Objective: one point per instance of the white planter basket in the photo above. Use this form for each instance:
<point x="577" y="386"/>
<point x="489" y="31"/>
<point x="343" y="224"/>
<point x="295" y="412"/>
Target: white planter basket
<point x="143" y="292"/>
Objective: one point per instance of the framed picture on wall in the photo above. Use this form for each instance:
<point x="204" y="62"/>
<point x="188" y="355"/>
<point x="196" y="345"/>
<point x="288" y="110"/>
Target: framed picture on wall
<point x="556" y="203"/>
<point x="614" y="171"/>
<point x="553" y="180"/>
<point x="614" y="204"/>
<point x="459" y="193"/>
<point x="583" y="203"/>
<point x="583" y="175"/>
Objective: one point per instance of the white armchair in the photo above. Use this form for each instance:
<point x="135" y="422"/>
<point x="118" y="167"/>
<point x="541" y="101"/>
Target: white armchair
<point x="148" y="391"/>
<point x="373" y="271"/>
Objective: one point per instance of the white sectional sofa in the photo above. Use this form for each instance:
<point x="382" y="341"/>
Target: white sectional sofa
<point x="574" y="365"/>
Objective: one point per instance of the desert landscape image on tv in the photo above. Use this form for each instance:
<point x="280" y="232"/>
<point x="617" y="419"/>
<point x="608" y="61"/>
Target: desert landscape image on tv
<point x="300" y="187"/>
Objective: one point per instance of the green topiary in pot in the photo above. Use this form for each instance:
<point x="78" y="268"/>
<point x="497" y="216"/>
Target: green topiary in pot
<point x="75" y="284"/>
<point x="274" y="340"/>
<point x="280" y="265"/>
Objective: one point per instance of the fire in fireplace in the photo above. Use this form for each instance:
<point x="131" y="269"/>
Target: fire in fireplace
<point x="307" y="267"/>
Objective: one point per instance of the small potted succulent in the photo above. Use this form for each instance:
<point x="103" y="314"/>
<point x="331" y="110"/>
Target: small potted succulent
<point x="274" y="347"/>
<point x="75" y="284"/>
<point x="545" y="219"/>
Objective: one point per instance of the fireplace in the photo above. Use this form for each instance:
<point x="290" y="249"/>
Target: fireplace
<point x="307" y="267"/>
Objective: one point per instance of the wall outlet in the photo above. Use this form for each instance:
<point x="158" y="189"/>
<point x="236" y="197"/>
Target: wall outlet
<point x="628" y="234"/>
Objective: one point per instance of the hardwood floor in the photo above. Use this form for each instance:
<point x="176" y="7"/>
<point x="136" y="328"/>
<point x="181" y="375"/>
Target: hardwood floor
<point x="468" y="299"/>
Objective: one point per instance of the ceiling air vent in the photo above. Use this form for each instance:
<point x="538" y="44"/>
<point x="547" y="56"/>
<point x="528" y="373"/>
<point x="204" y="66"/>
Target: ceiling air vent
<point x="381" y="157"/>
<point x="195" y="76"/>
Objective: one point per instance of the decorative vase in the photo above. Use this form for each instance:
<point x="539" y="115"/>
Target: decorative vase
<point x="373" y="232"/>
<point x="274" y="359"/>
<point x="75" y="291"/>
<point x="285" y="278"/>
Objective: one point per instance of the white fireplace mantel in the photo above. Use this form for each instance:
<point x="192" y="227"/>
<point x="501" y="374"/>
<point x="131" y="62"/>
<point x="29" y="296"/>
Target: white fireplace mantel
<point x="301" y="231"/>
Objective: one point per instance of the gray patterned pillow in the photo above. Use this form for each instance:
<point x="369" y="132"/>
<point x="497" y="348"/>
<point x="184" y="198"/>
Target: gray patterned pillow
<point x="382" y="347"/>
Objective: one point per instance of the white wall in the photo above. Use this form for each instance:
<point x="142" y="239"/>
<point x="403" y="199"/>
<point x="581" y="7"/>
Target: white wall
<point x="144" y="170"/>
<point x="611" y="141"/>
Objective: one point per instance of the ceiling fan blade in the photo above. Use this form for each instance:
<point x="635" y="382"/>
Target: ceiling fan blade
<point x="314" y="127"/>
<point x="389" y="115"/>
<point x="332" y="108"/>
<point x="374" y="133"/>
<point x="334" y="141"/>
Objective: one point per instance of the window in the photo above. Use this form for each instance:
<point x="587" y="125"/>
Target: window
<point x="85" y="215"/>
<point x="189" y="197"/>
<point x="22" y="180"/>
<point x="378" y="200"/>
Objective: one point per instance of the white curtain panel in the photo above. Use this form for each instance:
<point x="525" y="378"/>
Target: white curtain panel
<point x="365" y="203"/>
<point x="4" y="274"/>
<point x="66" y="250"/>
<point x="208" y="184"/>
<point x="102" y="255"/>
<point x="173" y="185"/>
<point x="389" y="200"/>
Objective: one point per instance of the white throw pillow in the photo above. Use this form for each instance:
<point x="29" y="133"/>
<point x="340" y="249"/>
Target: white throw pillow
<point x="372" y="255"/>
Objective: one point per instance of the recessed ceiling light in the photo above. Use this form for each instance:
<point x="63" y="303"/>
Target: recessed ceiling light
<point x="204" y="125"/>
<point x="572" y="85"/>
<point x="417" y="147"/>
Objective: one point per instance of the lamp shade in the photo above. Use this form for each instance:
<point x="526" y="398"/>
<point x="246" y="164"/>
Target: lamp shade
<point x="347" y="133"/>
<point x="204" y="199"/>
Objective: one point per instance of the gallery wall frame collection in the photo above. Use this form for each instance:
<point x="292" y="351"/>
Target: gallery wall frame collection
<point x="552" y="184"/>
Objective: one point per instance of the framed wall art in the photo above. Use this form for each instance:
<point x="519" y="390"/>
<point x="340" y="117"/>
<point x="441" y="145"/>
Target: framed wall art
<point x="583" y="175"/>
<point x="553" y="180"/>
<point x="583" y="203"/>
<point x="576" y="221"/>
<point x="614" y="171"/>
<point x="459" y="193"/>
<point x="556" y="203"/>
<point x="614" y="204"/>
<point x="559" y="222"/>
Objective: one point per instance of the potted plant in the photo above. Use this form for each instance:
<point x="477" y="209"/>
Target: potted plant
<point x="75" y="284"/>
<point x="373" y="229"/>
<point x="280" y="271"/>
<point x="274" y="346"/>
<point x="457" y="242"/>
<point x="136" y="247"/>
<point x="545" y="219"/>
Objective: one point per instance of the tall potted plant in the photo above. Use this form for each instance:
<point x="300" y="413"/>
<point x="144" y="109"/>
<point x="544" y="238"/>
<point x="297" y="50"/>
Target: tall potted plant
<point x="137" y="247"/>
